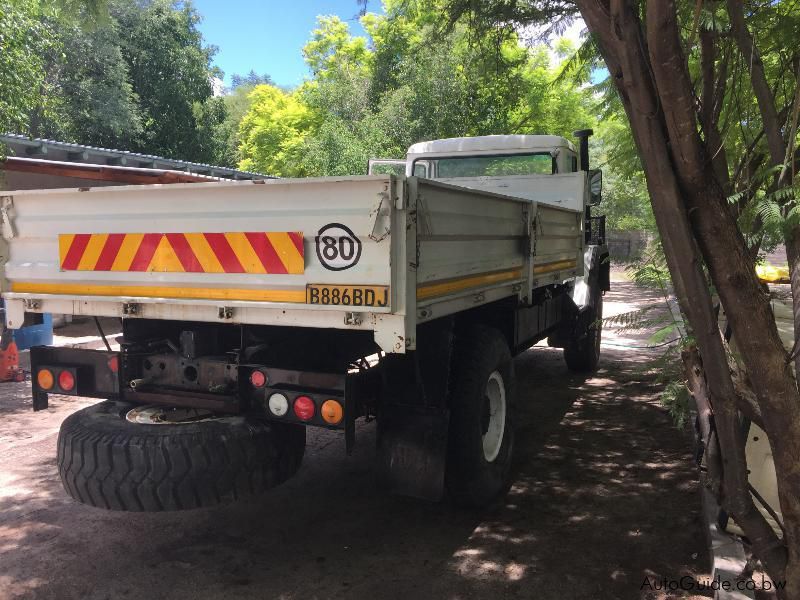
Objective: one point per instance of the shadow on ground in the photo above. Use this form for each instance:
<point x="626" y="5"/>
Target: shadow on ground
<point x="604" y="496"/>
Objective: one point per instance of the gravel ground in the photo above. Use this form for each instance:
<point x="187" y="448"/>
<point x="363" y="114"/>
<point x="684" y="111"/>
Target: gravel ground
<point x="604" y="497"/>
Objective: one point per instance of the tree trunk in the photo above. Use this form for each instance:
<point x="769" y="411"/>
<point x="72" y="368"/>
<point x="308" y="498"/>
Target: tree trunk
<point x="659" y="103"/>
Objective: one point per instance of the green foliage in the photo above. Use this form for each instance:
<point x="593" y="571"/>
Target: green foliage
<point x="332" y="48"/>
<point x="273" y="130"/>
<point x="129" y="75"/>
<point x="23" y="41"/>
<point x="211" y="121"/>
<point x="675" y="398"/>
<point x="413" y="82"/>
<point x="87" y="95"/>
<point x="651" y="270"/>
<point x="170" y="70"/>
<point x="252" y="79"/>
<point x="237" y="103"/>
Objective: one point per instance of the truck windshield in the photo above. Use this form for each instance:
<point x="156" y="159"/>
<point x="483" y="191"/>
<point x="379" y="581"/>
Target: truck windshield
<point x="541" y="163"/>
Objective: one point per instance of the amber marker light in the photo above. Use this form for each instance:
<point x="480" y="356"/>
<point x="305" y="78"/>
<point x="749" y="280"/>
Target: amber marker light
<point x="332" y="412"/>
<point x="45" y="379"/>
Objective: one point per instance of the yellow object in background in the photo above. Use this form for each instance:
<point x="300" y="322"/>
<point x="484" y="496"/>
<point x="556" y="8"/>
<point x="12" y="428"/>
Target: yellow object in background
<point x="772" y="274"/>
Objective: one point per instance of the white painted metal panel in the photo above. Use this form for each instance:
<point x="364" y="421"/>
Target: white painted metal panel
<point x="364" y="204"/>
<point x="476" y="247"/>
<point x="278" y="205"/>
<point x="564" y="190"/>
<point x="462" y="233"/>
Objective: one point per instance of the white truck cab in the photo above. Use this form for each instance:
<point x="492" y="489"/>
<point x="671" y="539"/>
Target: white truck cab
<point x="523" y="166"/>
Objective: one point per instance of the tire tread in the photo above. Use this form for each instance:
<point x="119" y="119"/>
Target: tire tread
<point x="106" y="462"/>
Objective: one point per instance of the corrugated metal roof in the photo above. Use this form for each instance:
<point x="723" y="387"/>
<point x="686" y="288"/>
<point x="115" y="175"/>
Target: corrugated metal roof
<point x="66" y="151"/>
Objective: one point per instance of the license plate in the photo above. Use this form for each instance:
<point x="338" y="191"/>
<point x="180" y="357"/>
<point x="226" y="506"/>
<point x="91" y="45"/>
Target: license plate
<point x="347" y="295"/>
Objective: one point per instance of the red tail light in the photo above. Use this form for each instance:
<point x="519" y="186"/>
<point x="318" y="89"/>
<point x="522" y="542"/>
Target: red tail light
<point x="304" y="408"/>
<point x="258" y="379"/>
<point x="113" y="364"/>
<point x="66" y="381"/>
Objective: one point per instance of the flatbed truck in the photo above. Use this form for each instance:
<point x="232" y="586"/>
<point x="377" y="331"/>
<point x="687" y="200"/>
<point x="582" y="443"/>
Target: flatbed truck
<point x="253" y="310"/>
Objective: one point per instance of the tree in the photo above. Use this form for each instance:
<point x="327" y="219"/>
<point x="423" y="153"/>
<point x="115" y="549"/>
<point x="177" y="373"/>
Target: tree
<point x="211" y="122"/>
<point x="272" y="132"/>
<point x="332" y="48"/>
<point x="170" y="71"/>
<point x="136" y="78"/>
<point x="252" y="79"/>
<point x="410" y="84"/>
<point x="87" y="96"/>
<point x="23" y="40"/>
<point x="673" y="91"/>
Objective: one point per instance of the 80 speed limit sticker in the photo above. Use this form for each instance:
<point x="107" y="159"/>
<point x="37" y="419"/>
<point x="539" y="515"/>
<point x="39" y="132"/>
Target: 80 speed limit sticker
<point x="338" y="248"/>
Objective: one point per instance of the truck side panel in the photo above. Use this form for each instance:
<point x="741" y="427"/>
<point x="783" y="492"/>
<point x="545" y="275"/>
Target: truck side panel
<point x="466" y="238"/>
<point x="476" y="247"/>
<point x="558" y="245"/>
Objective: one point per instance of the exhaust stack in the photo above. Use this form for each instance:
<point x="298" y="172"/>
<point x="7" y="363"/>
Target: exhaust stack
<point x="583" y="136"/>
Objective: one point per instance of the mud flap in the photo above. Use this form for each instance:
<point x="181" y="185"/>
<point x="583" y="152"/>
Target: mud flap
<point x="412" y="450"/>
<point x="413" y="418"/>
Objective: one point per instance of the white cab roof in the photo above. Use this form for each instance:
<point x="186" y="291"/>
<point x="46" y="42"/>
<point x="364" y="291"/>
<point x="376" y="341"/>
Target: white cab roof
<point x="488" y="144"/>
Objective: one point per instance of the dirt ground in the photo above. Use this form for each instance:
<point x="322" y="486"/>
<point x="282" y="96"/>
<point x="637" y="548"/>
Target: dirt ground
<point x="604" y="497"/>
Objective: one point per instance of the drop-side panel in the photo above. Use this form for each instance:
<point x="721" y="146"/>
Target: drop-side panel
<point x="558" y="244"/>
<point x="564" y="190"/>
<point x="475" y="246"/>
<point x="469" y="241"/>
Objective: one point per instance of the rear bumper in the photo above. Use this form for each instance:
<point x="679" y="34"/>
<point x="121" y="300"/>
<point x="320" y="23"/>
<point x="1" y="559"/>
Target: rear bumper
<point x="95" y="377"/>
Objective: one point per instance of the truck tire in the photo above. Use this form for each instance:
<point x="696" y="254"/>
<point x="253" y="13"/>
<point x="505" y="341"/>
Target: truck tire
<point x="121" y="456"/>
<point x="583" y="355"/>
<point x="481" y="436"/>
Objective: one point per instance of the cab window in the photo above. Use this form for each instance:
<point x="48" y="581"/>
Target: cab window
<point x="540" y="163"/>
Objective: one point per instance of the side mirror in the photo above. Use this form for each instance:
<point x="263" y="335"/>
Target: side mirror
<point x="595" y="186"/>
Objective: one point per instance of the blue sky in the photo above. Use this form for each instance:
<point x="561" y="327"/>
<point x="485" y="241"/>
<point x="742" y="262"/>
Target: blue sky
<point x="268" y="35"/>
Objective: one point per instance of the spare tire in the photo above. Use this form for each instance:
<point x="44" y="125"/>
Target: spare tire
<point x="122" y="456"/>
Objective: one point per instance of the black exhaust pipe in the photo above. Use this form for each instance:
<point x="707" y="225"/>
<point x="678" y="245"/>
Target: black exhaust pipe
<point x="583" y="136"/>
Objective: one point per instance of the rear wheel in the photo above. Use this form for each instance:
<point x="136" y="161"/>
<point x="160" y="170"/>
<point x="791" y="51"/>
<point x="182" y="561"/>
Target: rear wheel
<point x="481" y="438"/>
<point x="583" y="354"/>
<point x="121" y="456"/>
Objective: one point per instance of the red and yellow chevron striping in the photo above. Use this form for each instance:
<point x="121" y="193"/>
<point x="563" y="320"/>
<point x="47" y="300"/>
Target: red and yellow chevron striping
<point x="250" y="252"/>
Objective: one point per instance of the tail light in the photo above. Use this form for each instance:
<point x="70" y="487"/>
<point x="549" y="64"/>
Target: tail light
<point x="45" y="379"/>
<point x="332" y="412"/>
<point x="258" y="379"/>
<point x="304" y="408"/>
<point x="66" y="381"/>
<point x="113" y="364"/>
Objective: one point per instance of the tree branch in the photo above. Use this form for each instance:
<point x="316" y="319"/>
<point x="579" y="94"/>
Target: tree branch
<point x="764" y="96"/>
<point x="708" y="108"/>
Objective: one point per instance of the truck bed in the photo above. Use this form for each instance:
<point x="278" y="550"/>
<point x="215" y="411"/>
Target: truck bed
<point x="393" y="251"/>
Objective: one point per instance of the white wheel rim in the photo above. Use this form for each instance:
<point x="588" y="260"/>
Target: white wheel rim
<point x="162" y="415"/>
<point x="496" y="398"/>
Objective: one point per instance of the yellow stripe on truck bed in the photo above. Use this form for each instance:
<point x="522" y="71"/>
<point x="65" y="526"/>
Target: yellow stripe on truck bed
<point x="136" y="291"/>
<point x="443" y="288"/>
